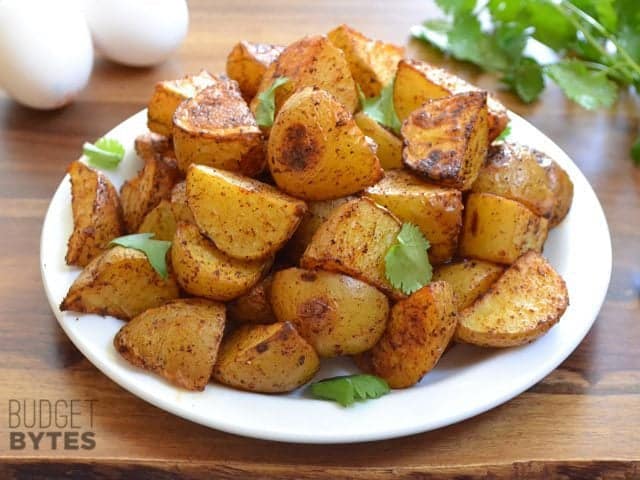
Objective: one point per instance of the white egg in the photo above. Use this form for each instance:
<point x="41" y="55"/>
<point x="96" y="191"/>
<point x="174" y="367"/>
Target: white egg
<point x="138" y="33"/>
<point x="46" y="54"/>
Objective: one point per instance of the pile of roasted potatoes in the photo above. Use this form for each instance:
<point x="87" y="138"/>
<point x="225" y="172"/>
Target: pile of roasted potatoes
<point x="279" y="233"/>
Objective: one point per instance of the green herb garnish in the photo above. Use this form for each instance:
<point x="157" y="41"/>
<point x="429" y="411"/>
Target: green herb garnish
<point x="407" y="264"/>
<point x="381" y="108"/>
<point x="155" y="250"/>
<point x="505" y="133"/>
<point x="106" y="153"/>
<point x="266" y="110"/>
<point x="347" y="389"/>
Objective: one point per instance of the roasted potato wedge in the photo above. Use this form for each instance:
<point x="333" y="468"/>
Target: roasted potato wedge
<point x="446" y="139"/>
<point x="119" y="282"/>
<point x="311" y="62"/>
<point x="469" y="279"/>
<point x="245" y="218"/>
<point x="142" y="193"/>
<point x="179" y="207"/>
<point x="255" y="305"/>
<point x="419" y="330"/>
<point x="436" y="211"/>
<point x="336" y="314"/>
<point x="416" y="82"/>
<point x="178" y="340"/>
<point x="354" y="240"/>
<point x="373" y="63"/>
<point x="160" y="221"/>
<point x="153" y="144"/>
<point x="500" y="230"/>
<point x="205" y="271"/>
<point x="509" y="173"/>
<point x="266" y="358"/>
<point x="389" y="150"/>
<point x="524" y="303"/>
<point x="216" y="128"/>
<point x="168" y="94"/>
<point x="247" y="62"/>
<point x="97" y="214"/>
<point x="317" y="152"/>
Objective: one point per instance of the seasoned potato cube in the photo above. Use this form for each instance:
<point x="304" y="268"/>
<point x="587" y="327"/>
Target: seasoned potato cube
<point x="317" y="152"/>
<point x="142" y="193"/>
<point x="389" y="150"/>
<point x="336" y="314"/>
<point x="418" y="332"/>
<point x="446" y="139"/>
<point x="266" y="358"/>
<point x="153" y="145"/>
<point x="97" y="214"/>
<point x="373" y="63"/>
<point x="509" y="172"/>
<point x="216" y="128"/>
<point x="119" y="282"/>
<point x="179" y="207"/>
<point x="436" y="211"/>
<point x="354" y="240"/>
<point x="525" y="302"/>
<point x="416" y="82"/>
<point x="311" y="62"/>
<point x="168" y="94"/>
<point x="246" y="219"/>
<point x="247" y="62"/>
<point x="500" y="230"/>
<point x="469" y="279"/>
<point x="178" y="340"/>
<point x="255" y="305"/>
<point x="160" y="221"/>
<point x="203" y="270"/>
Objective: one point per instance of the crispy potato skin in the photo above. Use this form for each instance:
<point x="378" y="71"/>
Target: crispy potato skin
<point x="500" y="230"/>
<point x="317" y="152"/>
<point x="373" y="63"/>
<point x="179" y="207"/>
<point x="245" y="218"/>
<point x="255" y="305"/>
<point x="312" y="61"/>
<point x="354" y="240"/>
<point x="446" y="139"/>
<point x="247" y="62"/>
<point x="418" y="332"/>
<point x="469" y="279"/>
<point x="119" y="282"/>
<point x="525" y="302"/>
<point x="160" y="221"/>
<point x="509" y="172"/>
<point x="216" y="128"/>
<point x="152" y="144"/>
<point x="437" y="211"/>
<point x="168" y="94"/>
<point x="178" y="340"/>
<point x="266" y="358"/>
<point x="97" y="214"/>
<point x="416" y="82"/>
<point x="389" y="150"/>
<point x="336" y="314"/>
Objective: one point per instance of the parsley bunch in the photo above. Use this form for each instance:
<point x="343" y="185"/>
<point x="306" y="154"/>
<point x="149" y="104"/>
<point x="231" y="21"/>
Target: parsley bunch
<point x="597" y="43"/>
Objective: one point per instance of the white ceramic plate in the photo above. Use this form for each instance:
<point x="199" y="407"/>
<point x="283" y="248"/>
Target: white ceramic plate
<point x="467" y="381"/>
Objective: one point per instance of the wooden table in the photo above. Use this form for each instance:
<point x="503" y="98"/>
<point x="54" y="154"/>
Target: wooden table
<point x="580" y="421"/>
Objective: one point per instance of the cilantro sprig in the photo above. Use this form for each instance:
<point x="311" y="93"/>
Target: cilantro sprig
<point x="106" y="153"/>
<point x="596" y="42"/>
<point x="155" y="250"/>
<point x="347" y="389"/>
<point x="381" y="108"/>
<point x="407" y="264"/>
<point x="266" y="109"/>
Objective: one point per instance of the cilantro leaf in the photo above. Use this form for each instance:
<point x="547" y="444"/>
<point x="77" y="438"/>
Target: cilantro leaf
<point x="505" y="133"/>
<point x="468" y="42"/>
<point x="381" y="108"/>
<point x="635" y="152"/>
<point x="155" y="250"/>
<point x="456" y="6"/>
<point x="589" y="88"/>
<point x="266" y="110"/>
<point x="347" y="389"/>
<point x="106" y="153"/>
<point x="407" y="264"/>
<point x="526" y="79"/>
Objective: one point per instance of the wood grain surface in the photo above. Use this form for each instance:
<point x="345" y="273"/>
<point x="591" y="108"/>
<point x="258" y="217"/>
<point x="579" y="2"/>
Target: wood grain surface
<point x="582" y="421"/>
